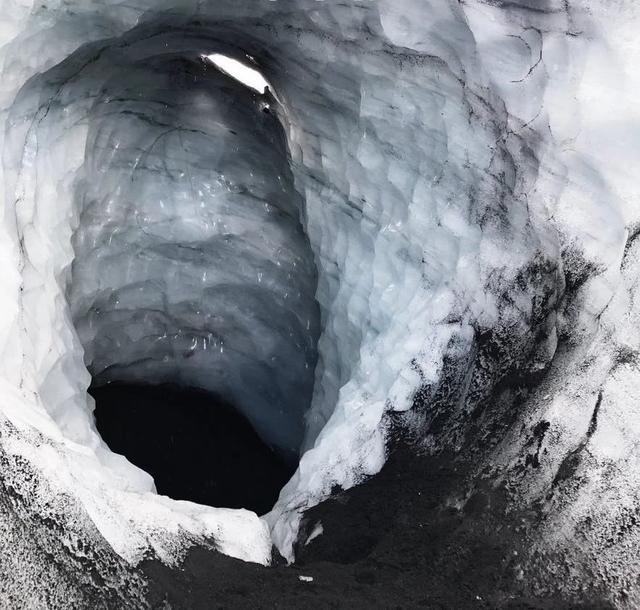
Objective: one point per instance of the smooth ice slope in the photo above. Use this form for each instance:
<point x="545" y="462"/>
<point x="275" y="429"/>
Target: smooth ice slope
<point x="450" y="191"/>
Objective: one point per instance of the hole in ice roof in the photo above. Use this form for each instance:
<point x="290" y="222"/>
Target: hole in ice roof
<point x="241" y="72"/>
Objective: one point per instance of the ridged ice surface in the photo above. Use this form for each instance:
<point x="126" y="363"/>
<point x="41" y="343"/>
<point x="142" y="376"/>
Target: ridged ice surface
<point x="191" y="265"/>
<point x="450" y="170"/>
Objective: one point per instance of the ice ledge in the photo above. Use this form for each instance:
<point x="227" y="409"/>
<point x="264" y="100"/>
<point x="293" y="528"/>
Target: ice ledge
<point x="56" y="477"/>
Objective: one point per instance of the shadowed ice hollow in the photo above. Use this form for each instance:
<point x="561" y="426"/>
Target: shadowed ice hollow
<point x="191" y="265"/>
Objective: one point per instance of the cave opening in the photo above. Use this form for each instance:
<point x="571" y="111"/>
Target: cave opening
<point x="193" y="284"/>
<point x="196" y="446"/>
<point x="248" y="76"/>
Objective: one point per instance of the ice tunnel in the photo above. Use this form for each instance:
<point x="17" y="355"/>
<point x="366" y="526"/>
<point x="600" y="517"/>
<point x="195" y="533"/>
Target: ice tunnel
<point x="191" y="266"/>
<point x="287" y="255"/>
<point x="301" y="259"/>
<point x="362" y="314"/>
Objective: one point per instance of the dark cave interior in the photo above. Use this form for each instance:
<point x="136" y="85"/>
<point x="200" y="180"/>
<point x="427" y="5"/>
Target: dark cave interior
<point x="195" y="446"/>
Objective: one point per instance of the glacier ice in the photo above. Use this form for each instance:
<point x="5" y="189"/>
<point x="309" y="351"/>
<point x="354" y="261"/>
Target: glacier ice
<point x="190" y="262"/>
<point x="435" y="172"/>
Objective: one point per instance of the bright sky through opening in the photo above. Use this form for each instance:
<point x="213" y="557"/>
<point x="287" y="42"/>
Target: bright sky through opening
<point x="241" y="72"/>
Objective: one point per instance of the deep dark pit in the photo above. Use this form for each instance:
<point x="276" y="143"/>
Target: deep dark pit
<point x="195" y="446"/>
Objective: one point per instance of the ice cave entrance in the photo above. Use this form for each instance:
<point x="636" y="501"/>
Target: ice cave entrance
<point x="193" y="284"/>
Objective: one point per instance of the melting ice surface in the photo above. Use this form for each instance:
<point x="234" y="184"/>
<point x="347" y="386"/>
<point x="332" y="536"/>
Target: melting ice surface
<point x="191" y="265"/>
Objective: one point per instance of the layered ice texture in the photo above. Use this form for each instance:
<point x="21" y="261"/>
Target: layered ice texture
<point x="420" y="213"/>
<point x="191" y="265"/>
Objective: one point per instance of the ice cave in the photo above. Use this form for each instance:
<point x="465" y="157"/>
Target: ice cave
<point x="319" y="303"/>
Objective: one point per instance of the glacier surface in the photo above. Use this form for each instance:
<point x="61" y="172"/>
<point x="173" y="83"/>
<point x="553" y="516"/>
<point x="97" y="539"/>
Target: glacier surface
<point x="429" y="177"/>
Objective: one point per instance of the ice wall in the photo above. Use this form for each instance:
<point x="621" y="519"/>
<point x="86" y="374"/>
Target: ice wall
<point x="429" y="142"/>
<point x="190" y="262"/>
<point x="412" y="184"/>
